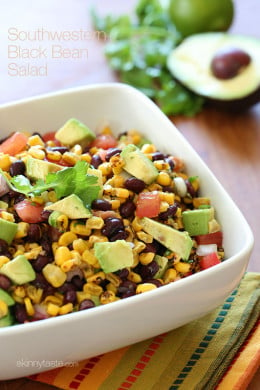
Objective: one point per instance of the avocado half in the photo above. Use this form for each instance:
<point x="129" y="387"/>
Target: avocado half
<point x="190" y="63"/>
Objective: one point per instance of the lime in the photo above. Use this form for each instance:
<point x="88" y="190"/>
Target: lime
<point x="196" y="16"/>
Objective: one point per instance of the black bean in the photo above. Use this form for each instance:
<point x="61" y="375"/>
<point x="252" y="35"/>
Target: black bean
<point x="17" y="168"/>
<point x="134" y="184"/>
<point x="78" y="282"/>
<point x="67" y="286"/>
<point x="86" y="304"/>
<point x="5" y="282"/>
<point x="123" y="273"/>
<point x="96" y="161"/>
<point x="70" y="296"/>
<point x="112" y="226"/>
<point x="169" y="213"/>
<point x="126" y="289"/>
<point x="127" y="208"/>
<point x="157" y="282"/>
<point x="61" y="149"/>
<point x="170" y="162"/>
<point x="190" y="188"/>
<point x="150" y="247"/>
<point x="101" y="204"/>
<point x="120" y="235"/>
<point x="3" y="246"/>
<point x="157" y="156"/>
<point x="40" y="262"/>
<point x="34" y="233"/>
<point x="20" y="313"/>
<point x="112" y="152"/>
<point x="148" y="271"/>
<point x="45" y="214"/>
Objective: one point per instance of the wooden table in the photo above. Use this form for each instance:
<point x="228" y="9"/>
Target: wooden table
<point x="229" y="144"/>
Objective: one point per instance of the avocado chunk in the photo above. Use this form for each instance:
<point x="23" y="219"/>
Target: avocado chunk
<point x="6" y="297"/>
<point x="39" y="169"/>
<point x="196" y="221"/>
<point x="163" y="265"/>
<point x="113" y="256"/>
<point x="176" y="241"/>
<point x="6" y="320"/>
<point x="191" y="64"/>
<point x="98" y="173"/>
<point x="74" y="132"/>
<point x="18" y="270"/>
<point x="8" y="230"/>
<point x="72" y="206"/>
<point x="138" y="165"/>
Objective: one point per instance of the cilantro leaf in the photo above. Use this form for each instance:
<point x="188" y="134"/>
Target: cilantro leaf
<point x="67" y="181"/>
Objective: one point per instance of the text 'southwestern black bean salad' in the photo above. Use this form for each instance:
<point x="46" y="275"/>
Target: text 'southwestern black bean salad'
<point x="88" y="219"/>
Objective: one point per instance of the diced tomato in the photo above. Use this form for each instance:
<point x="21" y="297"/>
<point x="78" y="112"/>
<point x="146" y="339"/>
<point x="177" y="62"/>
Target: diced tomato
<point x="102" y="154"/>
<point x="148" y="204"/>
<point x="51" y="137"/>
<point x="209" y="260"/>
<point x="14" y="144"/>
<point x="210" y="238"/>
<point x="104" y="141"/>
<point x="59" y="162"/>
<point x="29" y="211"/>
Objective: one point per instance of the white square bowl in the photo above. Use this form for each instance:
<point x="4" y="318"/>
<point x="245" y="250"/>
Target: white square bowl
<point x="88" y="333"/>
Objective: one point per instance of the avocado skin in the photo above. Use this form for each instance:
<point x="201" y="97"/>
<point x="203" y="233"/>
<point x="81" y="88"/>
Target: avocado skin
<point x="235" y="105"/>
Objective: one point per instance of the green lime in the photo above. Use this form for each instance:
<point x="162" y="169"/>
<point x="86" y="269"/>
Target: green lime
<point x="196" y="16"/>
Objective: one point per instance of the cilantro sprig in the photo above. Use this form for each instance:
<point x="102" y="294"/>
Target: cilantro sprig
<point x="138" y="49"/>
<point x="67" y="181"/>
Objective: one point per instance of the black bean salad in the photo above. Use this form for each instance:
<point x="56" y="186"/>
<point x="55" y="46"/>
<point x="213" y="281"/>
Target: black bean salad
<point x="88" y="219"/>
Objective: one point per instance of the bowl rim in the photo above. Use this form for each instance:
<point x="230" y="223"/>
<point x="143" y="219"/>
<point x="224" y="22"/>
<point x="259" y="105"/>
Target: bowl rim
<point x="83" y="315"/>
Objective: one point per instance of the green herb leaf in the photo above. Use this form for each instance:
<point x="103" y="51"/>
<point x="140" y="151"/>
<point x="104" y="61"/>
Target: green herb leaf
<point x="67" y="181"/>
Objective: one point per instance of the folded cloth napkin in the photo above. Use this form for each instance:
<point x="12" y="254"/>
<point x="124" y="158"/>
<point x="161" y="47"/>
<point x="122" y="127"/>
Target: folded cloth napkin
<point x="218" y="351"/>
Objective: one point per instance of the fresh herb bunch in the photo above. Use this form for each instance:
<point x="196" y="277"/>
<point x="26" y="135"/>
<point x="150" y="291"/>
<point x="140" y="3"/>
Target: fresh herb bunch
<point x="67" y="181"/>
<point x="138" y="49"/>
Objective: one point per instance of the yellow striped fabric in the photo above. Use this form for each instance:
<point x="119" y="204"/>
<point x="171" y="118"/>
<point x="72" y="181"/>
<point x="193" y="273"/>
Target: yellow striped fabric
<point x="218" y="351"/>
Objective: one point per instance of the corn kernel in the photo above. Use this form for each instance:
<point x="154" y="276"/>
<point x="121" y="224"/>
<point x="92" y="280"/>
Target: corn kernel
<point x="115" y="204"/>
<point x="33" y="253"/>
<point x="35" y="294"/>
<point x="52" y="309"/>
<point x="120" y="193"/>
<point x="54" y="275"/>
<point x="7" y="216"/>
<point x="161" y="165"/>
<point x="95" y="223"/>
<point x="52" y="196"/>
<point x="68" y="265"/>
<point x="134" y="277"/>
<point x="163" y="206"/>
<point x="86" y="157"/>
<point x="5" y="162"/>
<point x="182" y="267"/>
<point x="118" y="181"/>
<point x="146" y="258"/>
<point x="92" y="288"/>
<point x="20" y="291"/>
<point x="107" y="297"/>
<point x="36" y="153"/>
<point x="145" y="237"/>
<point x="80" y="228"/>
<point x="167" y="197"/>
<point x="34" y="140"/>
<point x="111" y="287"/>
<point x="80" y="245"/>
<point x="65" y="309"/>
<point x="97" y="238"/>
<point x="81" y="296"/>
<point x="163" y="179"/>
<point x="169" y="275"/>
<point x="22" y="230"/>
<point x="139" y="246"/>
<point x="89" y="257"/>
<point x="148" y="148"/>
<point x="62" y="254"/>
<point x="29" y="307"/>
<point x="67" y="238"/>
<point x="106" y="130"/>
<point x="144" y="287"/>
<point x="197" y="202"/>
<point x="97" y="277"/>
<point x="54" y="155"/>
<point x="70" y="158"/>
<point x="4" y="260"/>
<point x="105" y="168"/>
<point x="113" y="279"/>
<point x="77" y="149"/>
<point x="136" y="225"/>
<point x="117" y="164"/>
<point x="3" y="308"/>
